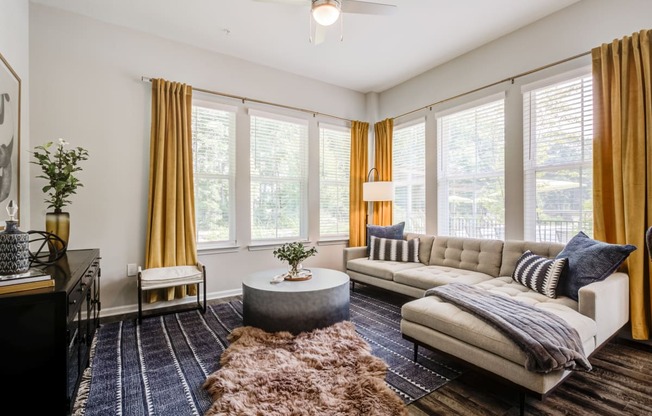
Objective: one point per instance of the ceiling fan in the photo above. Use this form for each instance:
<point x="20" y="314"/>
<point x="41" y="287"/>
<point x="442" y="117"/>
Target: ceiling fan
<point x="327" y="12"/>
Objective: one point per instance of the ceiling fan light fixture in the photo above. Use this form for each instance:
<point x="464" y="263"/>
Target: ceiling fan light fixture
<point x="326" y="12"/>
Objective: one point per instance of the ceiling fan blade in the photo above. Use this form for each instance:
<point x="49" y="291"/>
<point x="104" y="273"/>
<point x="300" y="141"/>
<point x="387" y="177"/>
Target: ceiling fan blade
<point x="365" y="7"/>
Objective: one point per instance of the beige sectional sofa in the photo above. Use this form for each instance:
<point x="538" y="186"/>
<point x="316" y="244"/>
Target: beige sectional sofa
<point x="600" y="312"/>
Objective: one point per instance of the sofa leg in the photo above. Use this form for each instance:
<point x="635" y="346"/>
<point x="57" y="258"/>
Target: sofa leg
<point x="416" y="351"/>
<point x="521" y="399"/>
<point x="352" y="286"/>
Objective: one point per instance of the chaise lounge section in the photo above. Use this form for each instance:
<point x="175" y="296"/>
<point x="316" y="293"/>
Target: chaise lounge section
<point x="600" y="311"/>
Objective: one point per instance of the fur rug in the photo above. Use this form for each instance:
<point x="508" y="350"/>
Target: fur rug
<point x="328" y="371"/>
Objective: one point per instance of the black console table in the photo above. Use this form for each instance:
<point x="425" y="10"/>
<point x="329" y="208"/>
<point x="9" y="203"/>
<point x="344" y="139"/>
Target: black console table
<point x="46" y="335"/>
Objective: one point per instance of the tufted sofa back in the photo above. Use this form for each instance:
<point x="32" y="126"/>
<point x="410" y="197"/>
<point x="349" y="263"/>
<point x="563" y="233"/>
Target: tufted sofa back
<point x="514" y="248"/>
<point x="475" y="254"/>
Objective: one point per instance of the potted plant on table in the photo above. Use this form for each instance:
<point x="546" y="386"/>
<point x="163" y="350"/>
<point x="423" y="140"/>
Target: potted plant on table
<point x="59" y="168"/>
<point x="294" y="254"/>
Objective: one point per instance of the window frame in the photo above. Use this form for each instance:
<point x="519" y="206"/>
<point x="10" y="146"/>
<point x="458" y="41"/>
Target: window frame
<point x="231" y="241"/>
<point x="531" y="169"/>
<point x="444" y="179"/>
<point x="409" y="184"/>
<point x="255" y="243"/>
<point x="343" y="129"/>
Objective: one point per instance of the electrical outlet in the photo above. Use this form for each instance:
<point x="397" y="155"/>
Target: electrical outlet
<point x="132" y="269"/>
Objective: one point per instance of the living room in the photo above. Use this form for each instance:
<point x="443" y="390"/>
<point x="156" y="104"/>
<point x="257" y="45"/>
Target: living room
<point x="81" y="80"/>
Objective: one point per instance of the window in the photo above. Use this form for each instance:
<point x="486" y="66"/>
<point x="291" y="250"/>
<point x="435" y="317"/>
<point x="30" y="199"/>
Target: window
<point x="558" y="134"/>
<point x="279" y="177"/>
<point x="471" y="185"/>
<point x="408" y="175"/>
<point x="213" y="141"/>
<point x="334" y="162"/>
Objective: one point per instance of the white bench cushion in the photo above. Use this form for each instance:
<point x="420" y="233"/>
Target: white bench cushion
<point x="159" y="277"/>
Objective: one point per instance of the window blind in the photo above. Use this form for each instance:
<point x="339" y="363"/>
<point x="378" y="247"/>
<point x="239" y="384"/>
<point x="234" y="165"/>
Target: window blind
<point x="279" y="178"/>
<point x="558" y="135"/>
<point x="471" y="186"/>
<point x="213" y="140"/>
<point x="408" y="175"/>
<point x="334" y="172"/>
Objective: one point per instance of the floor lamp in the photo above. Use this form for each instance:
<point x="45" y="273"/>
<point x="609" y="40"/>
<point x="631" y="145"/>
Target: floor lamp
<point x="375" y="191"/>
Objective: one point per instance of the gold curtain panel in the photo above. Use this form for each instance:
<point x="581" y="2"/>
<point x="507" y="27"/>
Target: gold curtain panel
<point x="383" y="214"/>
<point x="171" y="233"/>
<point x="622" y="160"/>
<point x="359" y="168"/>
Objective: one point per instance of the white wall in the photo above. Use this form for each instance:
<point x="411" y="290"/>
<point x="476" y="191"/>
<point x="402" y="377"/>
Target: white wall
<point x="14" y="47"/>
<point x="85" y="82"/>
<point x="569" y="32"/>
<point x="86" y="88"/>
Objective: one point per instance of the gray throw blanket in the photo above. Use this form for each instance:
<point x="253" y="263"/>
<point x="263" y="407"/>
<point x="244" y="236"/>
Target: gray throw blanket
<point x="548" y="342"/>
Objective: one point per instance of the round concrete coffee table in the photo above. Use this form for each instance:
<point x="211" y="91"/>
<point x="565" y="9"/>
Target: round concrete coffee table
<point x="297" y="306"/>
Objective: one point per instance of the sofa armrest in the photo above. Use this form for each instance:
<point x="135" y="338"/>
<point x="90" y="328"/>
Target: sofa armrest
<point x="607" y="303"/>
<point x="351" y="253"/>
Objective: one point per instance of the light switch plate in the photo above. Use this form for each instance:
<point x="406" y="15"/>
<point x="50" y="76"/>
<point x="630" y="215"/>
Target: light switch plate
<point x="132" y="269"/>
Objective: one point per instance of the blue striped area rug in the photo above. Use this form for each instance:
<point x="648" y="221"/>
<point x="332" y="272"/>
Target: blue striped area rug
<point x="158" y="368"/>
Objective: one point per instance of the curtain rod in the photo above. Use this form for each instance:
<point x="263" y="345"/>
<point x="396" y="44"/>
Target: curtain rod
<point x="253" y="100"/>
<point x="512" y="78"/>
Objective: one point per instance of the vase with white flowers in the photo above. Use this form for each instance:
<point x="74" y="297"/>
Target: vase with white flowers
<point x="59" y="168"/>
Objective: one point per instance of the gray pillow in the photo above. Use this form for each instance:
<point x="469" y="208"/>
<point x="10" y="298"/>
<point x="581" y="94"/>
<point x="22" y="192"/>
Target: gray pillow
<point x="589" y="261"/>
<point x="394" y="232"/>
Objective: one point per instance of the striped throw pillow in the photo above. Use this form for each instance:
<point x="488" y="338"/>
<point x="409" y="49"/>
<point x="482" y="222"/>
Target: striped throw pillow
<point x="538" y="273"/>
<point x="394" y="250"/>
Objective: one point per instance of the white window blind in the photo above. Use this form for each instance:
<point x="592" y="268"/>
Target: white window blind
<point x="558" y="134"/>
<point x="471" y="185"/>
<point x="213" y="139"/>
<point x="334" y="170"/>
<point x="279" y="177"/>
<point x="408" y="175"/>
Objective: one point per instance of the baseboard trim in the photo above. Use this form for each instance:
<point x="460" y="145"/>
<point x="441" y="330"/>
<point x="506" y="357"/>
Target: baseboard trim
<point x="128" y="309"/>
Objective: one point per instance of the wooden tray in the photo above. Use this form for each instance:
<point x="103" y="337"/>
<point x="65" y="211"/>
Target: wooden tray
<point x="299" y="279"/>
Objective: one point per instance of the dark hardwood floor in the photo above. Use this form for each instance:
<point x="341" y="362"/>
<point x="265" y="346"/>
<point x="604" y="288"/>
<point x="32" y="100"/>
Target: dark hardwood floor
<point x="619" y="384"/>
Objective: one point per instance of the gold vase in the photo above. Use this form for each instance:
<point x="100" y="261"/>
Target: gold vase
<point x="57" y="223"/>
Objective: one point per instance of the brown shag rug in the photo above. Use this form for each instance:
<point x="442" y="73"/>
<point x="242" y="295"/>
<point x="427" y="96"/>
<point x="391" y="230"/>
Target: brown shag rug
<point x="328" y="371"/>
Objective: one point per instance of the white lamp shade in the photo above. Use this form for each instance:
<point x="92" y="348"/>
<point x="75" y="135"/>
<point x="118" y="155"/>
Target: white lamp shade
<point x="326" y="12"/>
<point x="378" y="191"/>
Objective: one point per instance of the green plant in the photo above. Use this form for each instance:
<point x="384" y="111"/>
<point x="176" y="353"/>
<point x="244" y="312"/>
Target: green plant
<point x="294" y="253"/>
<point x="59" y="169"/>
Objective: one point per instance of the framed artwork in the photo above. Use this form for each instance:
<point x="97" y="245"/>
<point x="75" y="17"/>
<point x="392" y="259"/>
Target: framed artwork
<point x="9" y="137"/>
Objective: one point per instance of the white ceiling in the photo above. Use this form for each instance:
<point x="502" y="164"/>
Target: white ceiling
<point x="377" y="52"/>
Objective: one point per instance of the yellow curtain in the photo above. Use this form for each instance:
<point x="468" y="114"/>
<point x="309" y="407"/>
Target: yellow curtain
<point x="622" y="160"/>
<point x="383" y="162"/>
<point x="171" y="205"/>
<point x="359" y="167"/>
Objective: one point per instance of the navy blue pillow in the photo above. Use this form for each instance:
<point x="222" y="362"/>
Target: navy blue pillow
<point x="394" y="232"/>
<point x="589" y="261"/>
